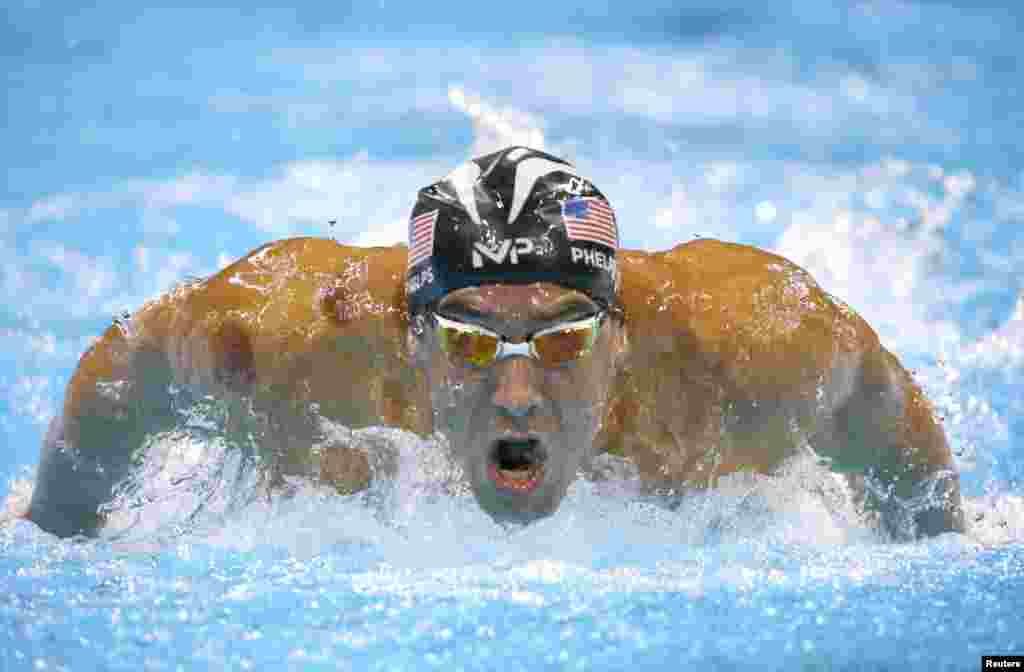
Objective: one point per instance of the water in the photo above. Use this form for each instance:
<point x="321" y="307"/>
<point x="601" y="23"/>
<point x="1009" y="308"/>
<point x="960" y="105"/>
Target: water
<point x="197" y="571"/>
<point x="876" y="144"/>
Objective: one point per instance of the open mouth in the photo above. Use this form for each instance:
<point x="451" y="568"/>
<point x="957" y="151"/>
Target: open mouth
<point x="517" y="465"/>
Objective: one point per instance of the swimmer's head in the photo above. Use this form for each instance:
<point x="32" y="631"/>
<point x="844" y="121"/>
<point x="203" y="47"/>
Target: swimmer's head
<point x="512" y="288"/>
<point x="513" y="217"/>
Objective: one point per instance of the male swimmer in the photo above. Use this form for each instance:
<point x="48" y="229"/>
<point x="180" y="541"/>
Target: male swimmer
<point x="515" y="327"/>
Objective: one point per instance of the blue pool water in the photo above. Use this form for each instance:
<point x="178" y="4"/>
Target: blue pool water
<point x="754" y="575"/>
<point x="878" y="144"/>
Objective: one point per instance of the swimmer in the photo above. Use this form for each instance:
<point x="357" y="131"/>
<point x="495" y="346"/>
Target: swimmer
<point x="514" y="326"/>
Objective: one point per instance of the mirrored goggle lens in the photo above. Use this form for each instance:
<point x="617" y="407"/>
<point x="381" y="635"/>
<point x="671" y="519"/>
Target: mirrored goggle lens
<point x="466" y="345"/>
<point x="566" y="344"/>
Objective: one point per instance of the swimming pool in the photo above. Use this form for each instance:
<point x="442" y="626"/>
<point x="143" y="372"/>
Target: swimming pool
<point x="876" y="144"/>
<point x="763" y="574"/>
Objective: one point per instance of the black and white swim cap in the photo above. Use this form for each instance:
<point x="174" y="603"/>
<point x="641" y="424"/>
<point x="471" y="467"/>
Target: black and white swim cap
<point x="515" y="216"/>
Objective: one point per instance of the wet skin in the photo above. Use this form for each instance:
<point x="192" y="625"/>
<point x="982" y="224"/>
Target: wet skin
<point x="728" y="359"/>
<point x="517" y="404"/>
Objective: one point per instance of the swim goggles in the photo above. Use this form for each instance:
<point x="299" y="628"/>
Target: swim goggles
<point x="472" y="345"/>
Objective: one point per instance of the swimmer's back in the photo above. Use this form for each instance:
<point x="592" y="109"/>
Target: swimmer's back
<point x="758" y="319"/>
<point x="737" y="356"/>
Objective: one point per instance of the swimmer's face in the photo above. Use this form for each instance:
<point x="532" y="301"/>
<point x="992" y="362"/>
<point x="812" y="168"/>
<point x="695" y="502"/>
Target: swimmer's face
<point x="521" y="427"/>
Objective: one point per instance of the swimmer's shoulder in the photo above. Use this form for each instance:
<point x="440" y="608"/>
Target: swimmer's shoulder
<point x="281" y="303"/>
<point x="285" y="284"/>
<point x="755" y="316"/>
<point x="298" y="266"/>
<point x="703" y="265"/>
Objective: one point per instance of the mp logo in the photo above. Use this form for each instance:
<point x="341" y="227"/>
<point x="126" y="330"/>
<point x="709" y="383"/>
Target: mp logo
<point x="508" y="251"/>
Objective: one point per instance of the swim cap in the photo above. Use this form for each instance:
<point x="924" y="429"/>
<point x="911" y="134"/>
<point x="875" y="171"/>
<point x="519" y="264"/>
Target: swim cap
<point x="515" y="216"/>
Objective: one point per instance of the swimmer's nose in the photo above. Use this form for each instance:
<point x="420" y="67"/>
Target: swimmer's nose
<point x="515" y="386"/>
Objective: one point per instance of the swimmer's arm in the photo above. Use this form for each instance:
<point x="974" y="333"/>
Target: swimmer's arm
<point x="315" y="415"/>
<point x="888" y="438"/>
<point x="355" y="376"/>
<point x="349" y="468"/>
<point x="310" y="450"/>
<point x="117" y="395"/>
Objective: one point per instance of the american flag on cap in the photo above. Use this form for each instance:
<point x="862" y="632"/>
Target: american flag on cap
<point x="590" y="219"/>
<point x="421" y="237"/>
